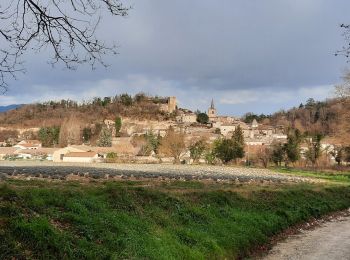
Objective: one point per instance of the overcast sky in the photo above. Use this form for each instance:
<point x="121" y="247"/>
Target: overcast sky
<point x="249" y="56"/>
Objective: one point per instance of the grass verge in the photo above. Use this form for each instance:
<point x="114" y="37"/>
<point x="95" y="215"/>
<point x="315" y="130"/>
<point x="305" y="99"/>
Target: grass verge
<point x="177" y="220"/>
<point x="337" y="176"/>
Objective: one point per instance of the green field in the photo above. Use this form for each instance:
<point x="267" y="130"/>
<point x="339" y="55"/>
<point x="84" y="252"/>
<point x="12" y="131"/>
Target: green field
<point x="334" y="176"/>
<point x="153" y="220"/>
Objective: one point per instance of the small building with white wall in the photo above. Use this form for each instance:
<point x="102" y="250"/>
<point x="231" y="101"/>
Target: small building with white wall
<point x="187" y="118"/>
<point x="59" y="154"/>
<point x="81" y="157"/>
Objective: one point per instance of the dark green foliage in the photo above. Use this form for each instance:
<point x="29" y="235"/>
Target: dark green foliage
<point x="249" y="117"/>
<point x="125" y="99"/>
<point x="210" y="156"/>
<point x="278" y="153"/>
<point x="230" y="149"/>
<point x="341" y="154"/>
<point x="153" y="141"/>
<point x="111" y="155"/>
<point x="238" y="139"/>
<point x="314" y="148"/>
<point x="310" y="103"/>
<point x="139" y="97"/>
<point x="151" y="144"/>
<point x="87" y="133"/>
<point x="106" y="101"/>
<point x="197" y="149"/>
<point x="292" y="147"/>
<point x="202" y="118"/>
<point x="41" y="220"/>
<point x="105" y="138"/>
<point x="49" y="136"/>
<point x="224" y="150"/>
<point x="117" y="125"/>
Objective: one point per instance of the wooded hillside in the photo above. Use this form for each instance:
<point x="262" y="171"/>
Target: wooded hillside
<point x="53" y="113"/>
<point x="330" y="118"/>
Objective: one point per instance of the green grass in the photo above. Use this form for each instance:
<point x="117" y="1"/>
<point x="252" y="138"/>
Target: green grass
<point x="178" y="220"/>
<point x="340" y="177"/>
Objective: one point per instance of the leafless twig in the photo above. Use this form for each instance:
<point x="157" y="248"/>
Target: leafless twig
<point x="65" y="27"/>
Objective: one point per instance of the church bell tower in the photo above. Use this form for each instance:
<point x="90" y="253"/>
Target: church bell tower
<point x="212" y="110"/>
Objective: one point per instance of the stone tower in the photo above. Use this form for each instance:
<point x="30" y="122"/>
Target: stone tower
<point x="212" y="110"/>
<point x="171" y="104"/>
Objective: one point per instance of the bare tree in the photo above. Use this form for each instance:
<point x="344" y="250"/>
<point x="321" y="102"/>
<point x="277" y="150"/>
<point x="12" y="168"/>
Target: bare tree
<point x="65" y="27"/>
<point x="343" y="90"/>
<point x="264" y="155"/>
<point x="345" y="51"/>
<point x="173" y="144"/>
<point x="70" y="132"/>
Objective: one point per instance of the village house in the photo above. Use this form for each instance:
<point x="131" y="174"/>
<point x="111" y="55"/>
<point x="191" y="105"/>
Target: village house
<point x="226" y="129"/>
<point x="81" y="157"/>
<point x="60" y="153"/>
<point x="189" y="118"/>
<point x="39" y="154"/>
<point x="28" y="144"/>
<point x="85" y="153"/>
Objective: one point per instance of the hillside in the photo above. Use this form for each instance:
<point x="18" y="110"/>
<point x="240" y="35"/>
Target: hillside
<point x="53" y="113"/>
<point x="9" y="107"/>
<point x="330" y="118"/>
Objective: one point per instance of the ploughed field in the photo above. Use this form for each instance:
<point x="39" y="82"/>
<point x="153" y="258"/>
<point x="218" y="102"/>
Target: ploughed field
<point x="63" y="171"/>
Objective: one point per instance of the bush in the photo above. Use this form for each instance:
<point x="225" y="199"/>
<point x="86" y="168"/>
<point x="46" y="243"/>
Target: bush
<point x="202" y="118"/>
<point x="105" y="138"/>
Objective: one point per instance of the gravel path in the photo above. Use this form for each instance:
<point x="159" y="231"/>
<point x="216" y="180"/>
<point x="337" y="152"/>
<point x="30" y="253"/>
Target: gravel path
<point x="331" y="241"/>
<point x="126" y="171"/>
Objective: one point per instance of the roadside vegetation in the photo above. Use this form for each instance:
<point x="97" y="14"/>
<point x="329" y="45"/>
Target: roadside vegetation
<point x="153" y="220"/>
<point x="334" y="176"/>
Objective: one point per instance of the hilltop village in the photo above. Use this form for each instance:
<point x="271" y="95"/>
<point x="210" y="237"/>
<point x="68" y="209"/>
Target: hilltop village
<point x="128" y="143"/>
<point x="146" y="129"/>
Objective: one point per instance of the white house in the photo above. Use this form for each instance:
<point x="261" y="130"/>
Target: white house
<point x="58" y="155"/>
<point x="81" y="157"/>
<point x="225" y="129"/>
<point x="28" y="144"/>
<point x="40" y="153"/>
<point x="187" y="118"/>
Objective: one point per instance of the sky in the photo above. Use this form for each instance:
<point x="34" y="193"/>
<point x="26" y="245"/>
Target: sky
<point x="249" y="56"/>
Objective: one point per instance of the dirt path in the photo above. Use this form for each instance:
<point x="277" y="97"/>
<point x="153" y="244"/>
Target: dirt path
<point x="330" y="241"/>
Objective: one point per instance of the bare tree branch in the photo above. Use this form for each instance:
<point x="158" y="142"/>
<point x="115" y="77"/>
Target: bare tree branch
<point x="345" y="50"/>
<point x="65" y="27"/>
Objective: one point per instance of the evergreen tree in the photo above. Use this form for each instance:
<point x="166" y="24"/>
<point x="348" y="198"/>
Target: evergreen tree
<point x="125" y="99"/>
<point x="105" y="138"/>
<point x="224" y="150"/>
<point x="238" y="143"/>
<point x="202" y="118"/>
<point x="314" y="148"/>
<point x="117" y="125"/>
<point x="87" y="133"/>
<point x="277" y="154"/>
<point x="49" y="136"/>
<point x="292" y="147"/>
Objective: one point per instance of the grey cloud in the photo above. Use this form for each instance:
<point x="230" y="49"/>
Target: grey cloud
<point x="207" y="49"/>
